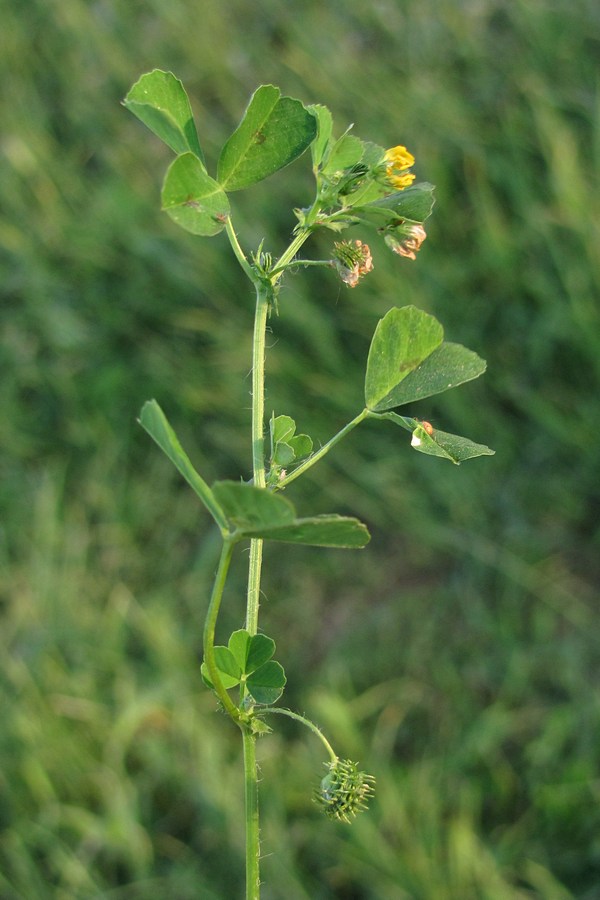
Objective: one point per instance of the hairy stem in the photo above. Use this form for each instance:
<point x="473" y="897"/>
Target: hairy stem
<point x="258" y="447"/>
<point x="304" y="721"/>
<point x="288" y="255"/>
<point x="263" y="298"/>
<point x="252" y="820"/>
<point x="254" y="572"/>
<point x="305" y="263"/>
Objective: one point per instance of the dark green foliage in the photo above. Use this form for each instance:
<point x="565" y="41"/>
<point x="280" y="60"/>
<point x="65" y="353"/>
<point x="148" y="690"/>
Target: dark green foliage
<point x="477" y="713"/>
<point x="247" y="660"/>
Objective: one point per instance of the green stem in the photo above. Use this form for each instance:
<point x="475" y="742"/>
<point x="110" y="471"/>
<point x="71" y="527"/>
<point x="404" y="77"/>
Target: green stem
<point x="254" y="573"/>
<point x="252" y="820"/>
<point x="288" y="255"/>
<point x="209" y="631"/>
<point x="319" y="454"/>
<point x="239" y="253"/>
<point x="258" y="447"/>
<point x="263" y="298"/>
<point x="314" y="728"/>
<point x="305" y="263"/>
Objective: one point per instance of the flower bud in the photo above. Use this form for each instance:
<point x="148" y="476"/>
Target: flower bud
<point x="406" y="240"/>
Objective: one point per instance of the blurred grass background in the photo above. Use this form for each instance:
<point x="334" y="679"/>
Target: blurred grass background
<point x="457" y="657"/>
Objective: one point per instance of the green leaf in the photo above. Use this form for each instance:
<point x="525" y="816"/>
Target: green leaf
<point x="228" y="680"/>
<point x="267" y="683"/>
<point x="319" y="531"/>
<point x="285" y="448"/>
<point x="413" y="204"/>
<point x="402" y="340"/>
<point x="448" y="366"/>
<point x="159" y="100"/>
<point x="250" y="509"/>
<point x="283" y="455"/>
<point x="273" y="132"/>
<point x="227" y="663"/>
<point x="238" y="645"/>
<point x="258" y="513"/>
<point x="248" y="655"/>
<point x="193" y="199"/>
<point x="282" y="428"/>
<point x="366" y="191"/>
<point x="324" y="129"/>
<point x="408" y="360"/>
<point x="249" y="651"/>
<point x="345" y="153"/>
<point x="438" y="443"/>
<point x="302" y="445"/>
<point x="260" y="649"/>
<point x="373" y="154"/>
<point x="448" y="446"/>
<point x="154" y="421"/>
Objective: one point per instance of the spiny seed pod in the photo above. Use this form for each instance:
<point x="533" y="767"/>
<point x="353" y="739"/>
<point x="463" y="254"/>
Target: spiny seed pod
<point x="353" y="260"/>
<point x="344" y="791"/>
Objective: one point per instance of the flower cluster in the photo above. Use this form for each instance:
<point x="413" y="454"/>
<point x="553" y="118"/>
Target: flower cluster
<point x="344" y="791"/>
<point x="398" y="160"/>
<point x="353" y="260"/>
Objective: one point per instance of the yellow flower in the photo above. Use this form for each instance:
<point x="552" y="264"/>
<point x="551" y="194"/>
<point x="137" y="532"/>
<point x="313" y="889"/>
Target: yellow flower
<point x="398" y="160"/>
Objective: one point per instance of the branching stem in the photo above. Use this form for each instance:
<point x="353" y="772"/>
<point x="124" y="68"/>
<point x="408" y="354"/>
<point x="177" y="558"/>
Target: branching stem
<point x="288" y="255"/>
<point x="319" y="454"/>
<point x="237" y="250"/>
